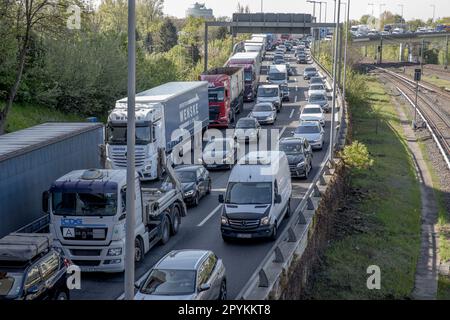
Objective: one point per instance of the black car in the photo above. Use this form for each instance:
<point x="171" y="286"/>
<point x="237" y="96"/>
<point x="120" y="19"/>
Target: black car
<point x="43" y="277"/>
<point x="285" y="92"/>
<point x="299" y="155"/>
<point x="195" y="181"/>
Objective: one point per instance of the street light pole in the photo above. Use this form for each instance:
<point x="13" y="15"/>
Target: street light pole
<point x="372" y="5"/>
<point x="401" y="6"/>
<point x="345" y="49"/>
<point x="333" y="109"/>
<point x="131" y="170"/>
<point x="434" y="10"/>
<point x="262" y="6"/>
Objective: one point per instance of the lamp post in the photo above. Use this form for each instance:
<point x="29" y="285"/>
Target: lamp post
<point x="372" y="5"/>
<point x="344" y="86"/>
<point x="335" y="65"/>
<point x="401" y="6"/>
<point x="434" y="10"/>
<point x="131" y="172"/>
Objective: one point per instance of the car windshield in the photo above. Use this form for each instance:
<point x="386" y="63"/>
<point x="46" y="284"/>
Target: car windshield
<point x="10" y="284"/>
<point x="316" y="97"/>
<point x="291" y="148"/>
<point x="267" y="92"/>
<point x="277" y="76"/>
<point x="216" y="95"/>
<point x="316" y="80"/>
<point x="262" y="107"/>
<point x="84" y="204"/>
<point x="307" y="129"/>
<point x="169" y="282"/>
<point x="249" y="193"/>
<point x="246" y="124"/>
<point x="248" y="76"/>
<point x="186" y="176"/>
<point x="310" y="70"/>
<point x="118" y="134"/>
<point x="311" y="110"/>
<point x="316" y="87"/>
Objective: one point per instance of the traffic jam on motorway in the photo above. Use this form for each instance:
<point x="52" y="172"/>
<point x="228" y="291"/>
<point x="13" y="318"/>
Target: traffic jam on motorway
<point x="208" y="209"/>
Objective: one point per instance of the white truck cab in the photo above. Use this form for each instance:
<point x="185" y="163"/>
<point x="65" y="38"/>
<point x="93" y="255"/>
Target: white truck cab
<point x="257" y="197"/>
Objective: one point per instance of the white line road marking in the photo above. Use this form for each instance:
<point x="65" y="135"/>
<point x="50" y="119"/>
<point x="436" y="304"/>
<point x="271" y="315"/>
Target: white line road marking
<point x="209" y="216"/>
<point x="219" y="190"/>
<point x="282" y="131"/>
<point x="296" y="88"/>
<point x="296" y="99"/>
<point x="292" y="112"/>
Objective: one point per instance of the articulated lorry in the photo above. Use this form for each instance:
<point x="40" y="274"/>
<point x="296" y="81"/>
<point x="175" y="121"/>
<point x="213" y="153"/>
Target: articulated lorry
<point x="88" y="211"/>
<point x="251" y="62"/>
<point x="31" y="159"/>
<point x="166" y="116"/>
<point x="226" y="94"/>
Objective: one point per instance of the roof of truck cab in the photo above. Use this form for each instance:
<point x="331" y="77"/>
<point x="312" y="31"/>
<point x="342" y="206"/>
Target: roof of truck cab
<point x="245" y="55"/>
<point x="117" y="176"/>
<point x="166" y="91"/>
<point x="27" y="140"/>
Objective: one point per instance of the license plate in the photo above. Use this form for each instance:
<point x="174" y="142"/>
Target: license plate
<point x="68" y="232"/>
<point x="244" y="235"/>
<point x="212" y="165"/>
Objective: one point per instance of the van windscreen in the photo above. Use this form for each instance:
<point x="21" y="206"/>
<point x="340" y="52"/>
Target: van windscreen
<point x="249" y="193"/>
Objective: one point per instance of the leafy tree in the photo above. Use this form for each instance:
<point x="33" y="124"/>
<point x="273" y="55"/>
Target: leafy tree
<point x="168" y="37"/>
<point x="415" y="24"/>
<point x="113" y="16"/>
<point x="365" y="19"/>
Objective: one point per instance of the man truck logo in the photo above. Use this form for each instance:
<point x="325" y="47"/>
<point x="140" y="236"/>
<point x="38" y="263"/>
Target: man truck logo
<point x="68" y="232"/>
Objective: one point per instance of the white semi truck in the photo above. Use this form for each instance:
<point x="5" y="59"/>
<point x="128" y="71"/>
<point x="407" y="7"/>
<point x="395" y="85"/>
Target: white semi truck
<point x="161" y="112"/>
<point x="88" y="211"/>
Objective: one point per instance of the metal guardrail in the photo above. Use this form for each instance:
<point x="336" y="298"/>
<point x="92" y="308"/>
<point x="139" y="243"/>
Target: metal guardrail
<point x="293" y="240"/>
<point x="36" y="226"/>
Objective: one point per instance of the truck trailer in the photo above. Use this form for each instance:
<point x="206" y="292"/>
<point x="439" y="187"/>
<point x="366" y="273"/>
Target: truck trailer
<point x="251" y="62"/>
<point x="31" y="159"/>
<point x="165" y="117"/>
<point x="226" y="94"/>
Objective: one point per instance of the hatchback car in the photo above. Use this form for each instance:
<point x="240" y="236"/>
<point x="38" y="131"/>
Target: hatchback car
<point x="247" y="129"/>
<point x="185" y="275"/>
<point x="309" y="73"/>
<point x="299" y="155"/>
<point x="321" y="100"/>
<point x="220" y="153"/>
<point x="312" y="112"/>
<point x="195" y="182"/>
<point x="311" y="131"/>
<point x="42" y="278"/>
<point x="316" y="80"/>
<point x="264" y="112"/>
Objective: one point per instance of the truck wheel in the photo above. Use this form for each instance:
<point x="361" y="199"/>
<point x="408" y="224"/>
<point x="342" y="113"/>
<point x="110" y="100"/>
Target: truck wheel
<point x="138" y="250"/>
<point x="165" y="232"/>
<point x="176" y="220"/>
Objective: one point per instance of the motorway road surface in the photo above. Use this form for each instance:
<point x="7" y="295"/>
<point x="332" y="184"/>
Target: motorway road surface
<point x="200" y="229"/>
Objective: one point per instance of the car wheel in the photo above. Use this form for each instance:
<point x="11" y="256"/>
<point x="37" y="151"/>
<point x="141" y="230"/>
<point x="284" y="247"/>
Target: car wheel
<point x="223" y="291"/>
<point x="288" y="211"/>
<point x="196" y="200"/>
<point x="208" y="191"/>
<point x="62" y="296"/>
<point x="138" y="250"/>
<point x="274" y="234"/>
<point x="165" y="231"/>
<point x="176" y="220"/>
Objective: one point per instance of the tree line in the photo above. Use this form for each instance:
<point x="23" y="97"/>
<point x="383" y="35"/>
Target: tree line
<point x="84" y="70"/>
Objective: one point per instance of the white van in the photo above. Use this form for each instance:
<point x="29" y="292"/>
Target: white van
<point x="257" y="197"/>
<point x="278" y="74"/>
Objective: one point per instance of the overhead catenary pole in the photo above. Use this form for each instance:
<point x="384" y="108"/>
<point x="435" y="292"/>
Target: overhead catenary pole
<point x="446" y="53"/>
<point x="205" y="58"/>
<point x="131" y="170"/>
<point x="335" y="64"/>
<point x="344" y="86"/>
<point x="421" y="55"/>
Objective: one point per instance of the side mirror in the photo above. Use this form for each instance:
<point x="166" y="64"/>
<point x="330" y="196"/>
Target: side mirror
<point x="278" y="198"/>
<point x="204" y="287"/>
<point x="45" y="199"/>
<point x="221" y="198"/>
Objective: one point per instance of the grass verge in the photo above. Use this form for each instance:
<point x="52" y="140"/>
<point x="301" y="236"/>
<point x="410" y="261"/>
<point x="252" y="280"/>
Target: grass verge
<point x="24" y="115"/>
<point x="380" y="224"/>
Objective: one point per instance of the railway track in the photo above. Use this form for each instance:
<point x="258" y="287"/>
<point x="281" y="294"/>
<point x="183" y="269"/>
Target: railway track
<point x="436" y="114"/>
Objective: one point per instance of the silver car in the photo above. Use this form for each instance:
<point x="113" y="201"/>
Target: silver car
<point x="264" y="112"/>
<point x="311" y="131"/>
<point x="185" y="275"/>
<point x="321" y="100"/>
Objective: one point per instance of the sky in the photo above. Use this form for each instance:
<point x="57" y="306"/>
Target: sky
<point x="411" y="8"/>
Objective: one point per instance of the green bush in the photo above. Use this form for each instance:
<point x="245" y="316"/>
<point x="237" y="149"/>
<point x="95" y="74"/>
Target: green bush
<point x="356" y="156"/>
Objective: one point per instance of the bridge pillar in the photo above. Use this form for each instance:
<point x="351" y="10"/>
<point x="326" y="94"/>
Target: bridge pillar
<point x="414" y="53"/>
<point x="401" y="52"/>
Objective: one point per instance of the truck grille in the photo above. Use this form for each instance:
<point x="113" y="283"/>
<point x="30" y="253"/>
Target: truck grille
<point x="85" y="252"/>
<point x="120" y="159"/>
<point x="243" y="224"/>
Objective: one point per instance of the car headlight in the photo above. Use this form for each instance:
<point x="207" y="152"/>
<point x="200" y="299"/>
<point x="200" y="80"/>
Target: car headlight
<point x="265" y="221"/>
<point x="301" y="164"/>
<point x="113" y="252"/>
<point x="224" y="220"/>
<point x="189" y="193"/>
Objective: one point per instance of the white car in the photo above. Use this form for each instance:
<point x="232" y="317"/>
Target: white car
<point x="311" y="131"/>
<point x="313" y="112"/>
<point x="317" y="89"/>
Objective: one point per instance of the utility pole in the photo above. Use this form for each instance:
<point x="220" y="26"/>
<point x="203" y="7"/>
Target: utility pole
<point x="333" y="109"/>
<point x="344" y="86"/>
<point x="417" y="77"/>
<point x="434" y="10"/>
<point x="380" y="50"/>
<point x="262" y="6"/>
<point x="320" y="28"/>
<point x="446" y="53"/>
<point x="372" y="5"/>
<point x="131" y="170"/>
<point x="205" y="68"/>
<point x="421" y="55"/>
<point x="401" y="6"/>
<point x="340" y="49"/>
